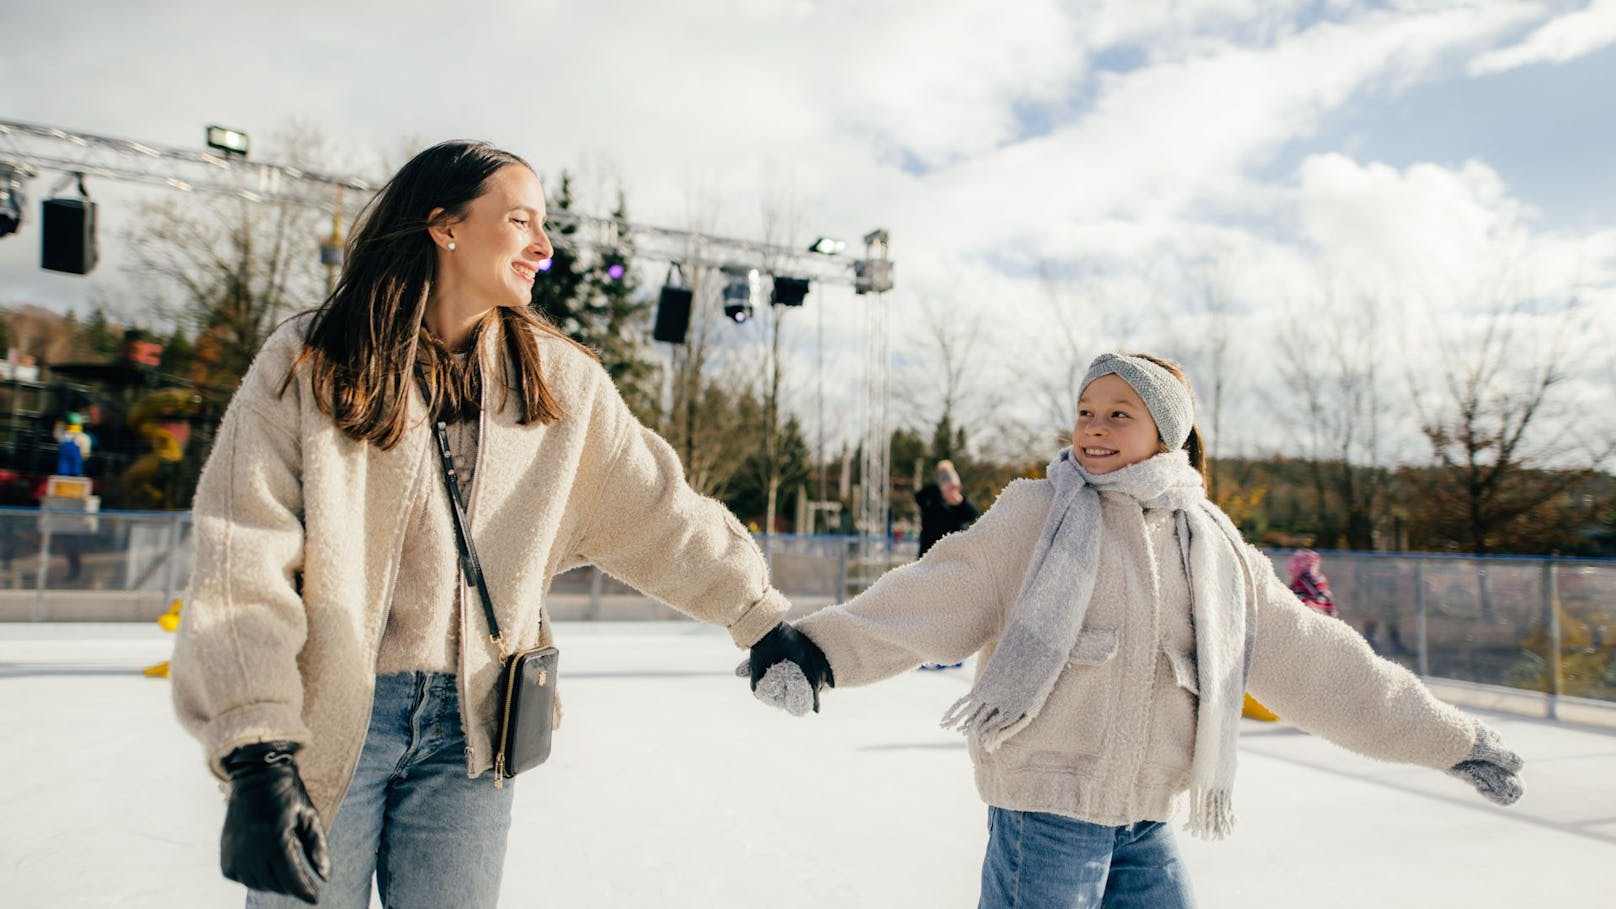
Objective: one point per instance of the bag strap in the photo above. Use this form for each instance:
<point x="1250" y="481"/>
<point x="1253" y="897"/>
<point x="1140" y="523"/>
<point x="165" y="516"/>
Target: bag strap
<point x="469" y="564"/>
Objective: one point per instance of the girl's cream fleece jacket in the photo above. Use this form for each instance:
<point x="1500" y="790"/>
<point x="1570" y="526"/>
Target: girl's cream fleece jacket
<point x="1113" y="743"/>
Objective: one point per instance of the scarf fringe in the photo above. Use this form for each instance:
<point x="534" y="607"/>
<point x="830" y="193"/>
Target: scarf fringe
<point x="1211" y="814"/>
<point x="989" y="724"/>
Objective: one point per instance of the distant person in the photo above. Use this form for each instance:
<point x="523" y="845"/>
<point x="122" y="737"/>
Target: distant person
<point x="73" y="449"/>
<point x="1309" y="583"/>
<point x="331" y="659"/>
<point x="944" y="508"/>
<point x="1118" y="614"/>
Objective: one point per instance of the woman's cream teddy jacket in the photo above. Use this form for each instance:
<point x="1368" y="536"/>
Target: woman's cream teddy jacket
<point x="1113" y="744"/>
<point x="299" y="529"/>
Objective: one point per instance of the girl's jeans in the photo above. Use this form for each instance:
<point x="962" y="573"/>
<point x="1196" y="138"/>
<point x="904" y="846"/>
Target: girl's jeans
<point x="1046" y="861"/>
<point x="411" y="818"/>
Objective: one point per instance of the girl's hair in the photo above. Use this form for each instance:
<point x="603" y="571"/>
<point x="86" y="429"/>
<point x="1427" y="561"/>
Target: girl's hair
<point x="1193" y="444"/>
<point x="368" y="341"/>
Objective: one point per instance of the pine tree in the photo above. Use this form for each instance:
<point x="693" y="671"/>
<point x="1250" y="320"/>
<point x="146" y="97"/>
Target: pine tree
<point x="592" y="296"/>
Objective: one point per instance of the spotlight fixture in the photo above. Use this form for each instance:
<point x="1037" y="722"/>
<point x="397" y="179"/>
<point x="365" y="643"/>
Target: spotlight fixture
<point x="230" y="141"/>
<point x="67" y="232"/>
<point x="12" y="201"/>
<point x="827" y="246"/>
<point x="738" y="292"/>
<point x="788" y="291"/>
<point x="673" y="307"/>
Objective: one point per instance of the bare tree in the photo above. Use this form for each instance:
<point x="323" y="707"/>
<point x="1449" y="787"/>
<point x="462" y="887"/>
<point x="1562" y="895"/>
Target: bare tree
<point x="1505" y="440"/>
<point x="1331" y="356"/>
<point x="229" y="270"/>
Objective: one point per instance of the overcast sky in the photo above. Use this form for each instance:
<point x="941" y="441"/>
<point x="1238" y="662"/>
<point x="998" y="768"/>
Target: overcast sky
<point x="1058" y="178"/>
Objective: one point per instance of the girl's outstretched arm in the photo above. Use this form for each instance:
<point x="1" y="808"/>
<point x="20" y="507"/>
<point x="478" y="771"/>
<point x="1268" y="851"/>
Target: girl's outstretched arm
<point x="1318" y="673"/>
<point x="942" y="608"/>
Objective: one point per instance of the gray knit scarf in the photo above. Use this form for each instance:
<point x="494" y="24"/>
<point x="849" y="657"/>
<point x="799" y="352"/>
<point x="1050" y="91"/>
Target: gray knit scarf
<point x="1055" y="593"/>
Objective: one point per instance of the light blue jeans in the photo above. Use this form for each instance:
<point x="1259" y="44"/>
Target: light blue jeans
<point x="412" y="819"/>
<point x="1046" y="861"/>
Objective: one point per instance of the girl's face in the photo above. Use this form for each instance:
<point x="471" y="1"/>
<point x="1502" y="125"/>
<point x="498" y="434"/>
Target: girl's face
<point x="1113" y="428"/>
<point x="499" y="243"/>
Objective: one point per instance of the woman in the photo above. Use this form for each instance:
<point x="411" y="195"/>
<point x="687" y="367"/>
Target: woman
<point x="330" y="659"/>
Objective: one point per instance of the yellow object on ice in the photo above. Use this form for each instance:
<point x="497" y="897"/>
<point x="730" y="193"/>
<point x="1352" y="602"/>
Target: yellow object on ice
<point x="1254" y="710"/>
<point x="169" y="622"/>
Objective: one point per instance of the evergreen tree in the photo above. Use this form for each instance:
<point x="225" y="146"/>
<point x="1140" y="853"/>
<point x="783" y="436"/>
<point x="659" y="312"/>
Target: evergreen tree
<point x="592" y="296"/>
<point x="101" y="340"/>
<point x="179" y="355"/>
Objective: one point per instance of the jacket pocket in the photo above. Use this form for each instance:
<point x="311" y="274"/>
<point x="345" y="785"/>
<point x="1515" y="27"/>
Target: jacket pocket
<point x="1094" y="646"/>
<point x="1185" y="672"/>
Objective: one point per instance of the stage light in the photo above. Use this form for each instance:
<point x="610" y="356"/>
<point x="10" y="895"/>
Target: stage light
<point x="738" y="293"/>
<point x="827" y="246"/>
<point x="544" y="264"/>
<point x="615" y="271"/>
<point x="67" y="233"/>
<point x="229" y="141"/>
<point x="788" y="291"/>
<point x="673" y="307"/>
<point x="12" y="201"/>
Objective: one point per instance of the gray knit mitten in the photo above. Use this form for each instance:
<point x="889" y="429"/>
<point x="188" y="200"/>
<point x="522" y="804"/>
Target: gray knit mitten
<point x="784" y="685"/>
<point x="1491" y="768"/>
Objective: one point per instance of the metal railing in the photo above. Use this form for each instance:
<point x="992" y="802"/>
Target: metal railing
<point x="1538" y="624"/>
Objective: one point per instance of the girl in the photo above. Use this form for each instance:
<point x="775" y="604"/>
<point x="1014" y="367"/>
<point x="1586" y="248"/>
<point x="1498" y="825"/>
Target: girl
<point x="1309" y="583"/>
<point x="331" y="660"/>
<point x="1118" y="616"/>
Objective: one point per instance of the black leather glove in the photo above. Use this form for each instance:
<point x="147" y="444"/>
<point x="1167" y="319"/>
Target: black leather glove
<point x="784" y="644"/>
<point x="1491" y="768"/>
<point x="272" y="834"/>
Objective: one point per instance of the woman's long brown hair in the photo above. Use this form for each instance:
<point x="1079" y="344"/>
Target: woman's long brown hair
<point x="368" y="341"/>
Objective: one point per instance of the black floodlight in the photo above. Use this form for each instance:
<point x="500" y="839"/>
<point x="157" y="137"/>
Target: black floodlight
<point x="788" y="291"/>
<point x="738" y="293"/>
<point x="673" y="307"/>
<point x="12" y="201"/>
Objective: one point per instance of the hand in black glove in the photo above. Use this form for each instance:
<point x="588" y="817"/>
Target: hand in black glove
<point x="1492" y="768"/>
<point x="272" y="835"/>
<point x="784" y="644"/>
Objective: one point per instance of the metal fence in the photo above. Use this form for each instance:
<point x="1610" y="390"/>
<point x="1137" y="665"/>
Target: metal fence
<point x="1538" y="624"/>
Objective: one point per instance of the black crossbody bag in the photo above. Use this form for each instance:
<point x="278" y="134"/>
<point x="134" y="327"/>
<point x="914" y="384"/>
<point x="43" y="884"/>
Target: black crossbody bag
<point x="527" y="684"/>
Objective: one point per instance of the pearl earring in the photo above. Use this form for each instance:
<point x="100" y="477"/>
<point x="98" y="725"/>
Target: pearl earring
<point x="451" y="246"/>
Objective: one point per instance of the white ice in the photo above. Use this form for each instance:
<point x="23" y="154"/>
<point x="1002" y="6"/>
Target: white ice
<point x="670" y="786"/>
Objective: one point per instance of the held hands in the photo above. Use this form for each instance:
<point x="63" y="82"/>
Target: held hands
<point x="1491" y="768"/>
<point x="787" y="670"/>
<point x="272" y="835"/>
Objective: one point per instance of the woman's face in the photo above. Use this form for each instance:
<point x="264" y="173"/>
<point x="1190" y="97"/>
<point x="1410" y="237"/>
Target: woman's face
<point x="499" y="243"/>
<point x="1113" y="428"/>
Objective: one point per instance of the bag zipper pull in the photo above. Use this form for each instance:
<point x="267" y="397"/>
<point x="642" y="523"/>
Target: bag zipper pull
<point x="499" y="771"/>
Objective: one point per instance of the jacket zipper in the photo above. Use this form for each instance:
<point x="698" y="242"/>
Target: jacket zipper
<point x="471" y="512"/>
<point x="387" y="609"/>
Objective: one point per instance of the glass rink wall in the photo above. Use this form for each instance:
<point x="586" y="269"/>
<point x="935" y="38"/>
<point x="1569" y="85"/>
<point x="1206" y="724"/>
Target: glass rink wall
<point x="1545" y="625"/>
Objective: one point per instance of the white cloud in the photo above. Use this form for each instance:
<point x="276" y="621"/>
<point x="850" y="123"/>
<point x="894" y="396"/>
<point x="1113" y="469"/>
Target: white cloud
<point x="1561" y="39"/>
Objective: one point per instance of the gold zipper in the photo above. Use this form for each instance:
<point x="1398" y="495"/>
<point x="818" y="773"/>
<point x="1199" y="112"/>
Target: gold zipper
<point x="504" y="727"/>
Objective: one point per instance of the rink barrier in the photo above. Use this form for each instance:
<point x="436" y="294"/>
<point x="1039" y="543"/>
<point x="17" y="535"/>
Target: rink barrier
<point x="1541" y="626"/>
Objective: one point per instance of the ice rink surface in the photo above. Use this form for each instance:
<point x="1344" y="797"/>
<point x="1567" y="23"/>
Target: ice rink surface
<point x="671" y="787"/>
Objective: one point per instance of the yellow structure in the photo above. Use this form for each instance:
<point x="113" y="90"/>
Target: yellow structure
<point x="169" y="622"/>
<point x="1254" y="710"/>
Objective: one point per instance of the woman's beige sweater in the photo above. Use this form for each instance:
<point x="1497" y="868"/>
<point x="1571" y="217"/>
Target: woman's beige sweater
<point x="1113" y="743"/>
<point x="299" y="531"/>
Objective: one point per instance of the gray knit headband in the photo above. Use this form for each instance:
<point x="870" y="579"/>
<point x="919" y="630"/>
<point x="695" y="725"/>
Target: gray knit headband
<point x="1167" y="399"/>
